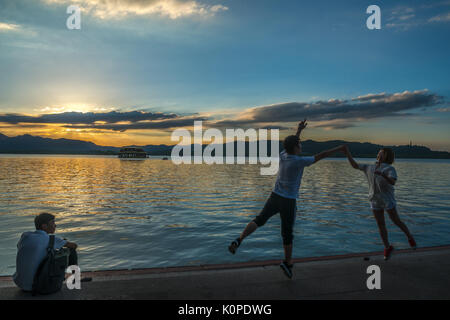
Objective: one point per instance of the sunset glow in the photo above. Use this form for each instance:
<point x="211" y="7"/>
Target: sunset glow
<point x="136" y="71"/>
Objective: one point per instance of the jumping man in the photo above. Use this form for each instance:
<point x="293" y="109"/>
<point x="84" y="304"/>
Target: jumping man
<point x="284" y="195"/>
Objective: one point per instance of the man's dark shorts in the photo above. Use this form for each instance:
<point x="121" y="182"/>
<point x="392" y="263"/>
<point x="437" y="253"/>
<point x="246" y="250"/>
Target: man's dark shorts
<point x="287" y="209"/>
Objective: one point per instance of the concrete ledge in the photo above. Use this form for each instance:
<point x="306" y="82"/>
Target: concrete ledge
<point x="419" y="274"/>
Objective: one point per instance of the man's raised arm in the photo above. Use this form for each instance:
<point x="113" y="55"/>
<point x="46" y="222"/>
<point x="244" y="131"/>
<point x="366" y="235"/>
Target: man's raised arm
<point x="327" y="153"/>
<point x="302" y="125"/>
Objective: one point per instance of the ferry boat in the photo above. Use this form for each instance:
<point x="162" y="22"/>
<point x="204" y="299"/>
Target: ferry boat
<point x="131" y="152"/>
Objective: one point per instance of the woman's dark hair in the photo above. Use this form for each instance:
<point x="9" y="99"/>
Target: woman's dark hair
<point x="290" y="143"/>
<point x="43" y="218"/>
<point x="389" y="155"/>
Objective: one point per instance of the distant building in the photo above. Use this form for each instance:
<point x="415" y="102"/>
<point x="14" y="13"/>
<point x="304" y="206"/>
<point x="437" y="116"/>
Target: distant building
<point x="131" y="152"/>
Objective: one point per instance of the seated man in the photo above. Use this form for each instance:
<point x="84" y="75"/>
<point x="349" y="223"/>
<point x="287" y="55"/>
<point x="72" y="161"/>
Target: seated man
<point x="32" y="249"/>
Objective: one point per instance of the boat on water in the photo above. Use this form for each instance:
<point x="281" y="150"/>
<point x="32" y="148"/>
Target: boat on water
<point x="132" y="152"/>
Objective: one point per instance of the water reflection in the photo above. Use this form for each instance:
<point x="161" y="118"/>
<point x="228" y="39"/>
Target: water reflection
<point x="149" y="213"/>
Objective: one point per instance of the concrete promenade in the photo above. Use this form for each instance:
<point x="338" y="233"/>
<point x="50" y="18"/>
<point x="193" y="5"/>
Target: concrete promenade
<point x="420" y="274"/>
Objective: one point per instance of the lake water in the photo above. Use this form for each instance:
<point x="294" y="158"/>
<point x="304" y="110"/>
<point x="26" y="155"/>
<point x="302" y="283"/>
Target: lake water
<point x="152" y="213"/>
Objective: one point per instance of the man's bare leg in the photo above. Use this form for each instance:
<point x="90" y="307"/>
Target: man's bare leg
<point x="288" y="253"/>
<point x="252" y="226"/>
<point x="379" y="217"/>
<point x="393" y="214"/>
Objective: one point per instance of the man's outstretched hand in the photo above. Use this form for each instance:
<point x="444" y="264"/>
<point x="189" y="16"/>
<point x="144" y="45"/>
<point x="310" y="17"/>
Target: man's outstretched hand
<point x="346" y="149"/>
<point x="342" y="148"/>
<point x="302" y="125"/>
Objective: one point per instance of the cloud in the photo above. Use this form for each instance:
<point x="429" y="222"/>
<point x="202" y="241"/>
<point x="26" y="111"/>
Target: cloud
<point x="436" y="4"/>
<point x="402" y="10"/>
<point x="440" y="18"/>
<point x="271" y="127"/>
<point x="24" y="126"/>
<point x="338" y="113"/>
<point x="400" y="18"/>
<point x="402" y="14"/>
<point x="105" y="9"/>
<point x="218" y="7"/>
<point x="404" y="18"/>
<point x="5" y="27"/>
<point x="86" y="118"/>
<point x="370" y="96"/>
<point x="327" y="114"/>
<point x="334" y="125"/>
<point x="16" y="29"/>
<point x="165" y="124"/>
<point x="115" y="121"/>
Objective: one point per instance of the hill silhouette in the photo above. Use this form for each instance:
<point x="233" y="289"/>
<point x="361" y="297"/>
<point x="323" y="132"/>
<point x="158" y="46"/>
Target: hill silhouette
<point x="28" y="144"/>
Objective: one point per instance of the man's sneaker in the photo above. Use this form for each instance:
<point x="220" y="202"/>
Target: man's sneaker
<point x="412" y="243"/>
<point x="287" y="269"/>
<point x="234" y="245"/>
<point x="387" y="252"/>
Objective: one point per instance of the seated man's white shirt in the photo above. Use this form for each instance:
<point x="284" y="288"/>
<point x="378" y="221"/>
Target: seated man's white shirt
<point x="31" y="250"/>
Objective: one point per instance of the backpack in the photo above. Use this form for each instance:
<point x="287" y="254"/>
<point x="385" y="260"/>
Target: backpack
<point x="50" y="274"/>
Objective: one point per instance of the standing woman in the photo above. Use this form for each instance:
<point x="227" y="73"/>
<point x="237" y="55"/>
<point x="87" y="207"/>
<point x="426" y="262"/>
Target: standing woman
<point x="382" y="177"/>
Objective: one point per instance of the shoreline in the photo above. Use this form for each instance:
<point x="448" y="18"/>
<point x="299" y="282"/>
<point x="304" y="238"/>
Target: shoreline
<point x="155" y="156"/>
<point x="239" y="265"/>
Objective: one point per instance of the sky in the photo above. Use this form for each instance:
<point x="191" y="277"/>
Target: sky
<point x="138" y="70"/>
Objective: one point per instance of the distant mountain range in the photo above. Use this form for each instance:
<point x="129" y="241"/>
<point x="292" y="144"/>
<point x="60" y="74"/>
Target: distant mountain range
<point x="27" y="144"/>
